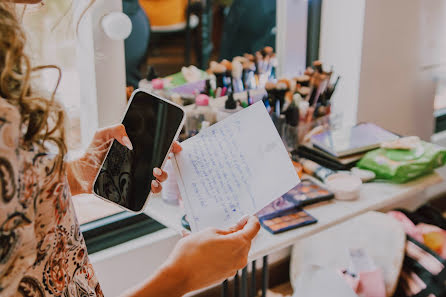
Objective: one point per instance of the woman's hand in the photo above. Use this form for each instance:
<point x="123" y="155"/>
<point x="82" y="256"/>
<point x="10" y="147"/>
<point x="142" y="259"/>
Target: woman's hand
<point x="82" y="172"/>
<point x="202" y="259"/>
<point x="213" y="255"/>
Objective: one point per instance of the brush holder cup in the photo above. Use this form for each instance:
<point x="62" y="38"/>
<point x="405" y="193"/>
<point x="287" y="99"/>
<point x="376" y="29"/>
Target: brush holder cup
<point x="293" y="136"/>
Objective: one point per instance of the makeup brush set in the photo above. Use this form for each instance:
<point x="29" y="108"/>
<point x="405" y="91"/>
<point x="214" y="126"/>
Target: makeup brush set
<point x="245" y="72"/>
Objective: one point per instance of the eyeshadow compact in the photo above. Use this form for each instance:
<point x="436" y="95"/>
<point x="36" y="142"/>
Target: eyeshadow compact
<point x="286" y="220"/>
<point x="308" y="192"/>
<point x="280" y="204"/>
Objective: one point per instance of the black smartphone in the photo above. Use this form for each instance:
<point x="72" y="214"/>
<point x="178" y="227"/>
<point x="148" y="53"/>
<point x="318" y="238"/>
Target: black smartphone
<point x="152" y="124"/>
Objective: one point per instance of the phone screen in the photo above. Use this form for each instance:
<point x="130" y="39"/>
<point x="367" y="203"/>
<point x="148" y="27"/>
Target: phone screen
<point x="125" y="175"/>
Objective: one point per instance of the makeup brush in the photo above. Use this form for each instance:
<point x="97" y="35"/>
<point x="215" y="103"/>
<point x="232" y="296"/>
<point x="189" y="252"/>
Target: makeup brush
<point x="237" y="71"/>
<point x="240" y="59"/>
<point x="270" y="88"/>
<point x="318" y="66"/>
<point x="282" y="87"/>
<point x="248" y="75"/>
<point x="303" y="91"/>
<point x="292" y="115"/>
<point x="250" y="57"/>
<point x="332" y="88"/>
<point x="303" y="80"/>
<point x="274" y="64"/>
<point x="219" y="71"/>
<point x="309" y="71"/>
<point x="319" y="87"/>
<point x="314" y="84"/>
<point x="266" y="102"/>
<point x="268" y="50"/>
<point x="259" y="62"/>
<point x="228" y="76"/>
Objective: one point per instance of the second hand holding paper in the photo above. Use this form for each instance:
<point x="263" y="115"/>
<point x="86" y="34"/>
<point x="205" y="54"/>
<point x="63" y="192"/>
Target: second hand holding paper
<point x="232" y="169"/>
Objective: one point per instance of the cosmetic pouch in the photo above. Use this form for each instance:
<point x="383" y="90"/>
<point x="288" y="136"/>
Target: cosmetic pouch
<point x="423" y="273"/>
<point x="401" y="166"/>
<point x="424" y="270"/>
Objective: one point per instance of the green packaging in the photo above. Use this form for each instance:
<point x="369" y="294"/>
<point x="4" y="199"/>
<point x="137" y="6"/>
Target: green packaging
<point x="401" y="166"/>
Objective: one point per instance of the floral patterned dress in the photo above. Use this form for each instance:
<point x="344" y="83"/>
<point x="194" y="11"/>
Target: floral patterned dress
<point x="42" y="251"/>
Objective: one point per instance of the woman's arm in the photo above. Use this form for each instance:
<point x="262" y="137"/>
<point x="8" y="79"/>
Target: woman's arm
<point x="200" y="260"/>
<point x="167" y="281"/>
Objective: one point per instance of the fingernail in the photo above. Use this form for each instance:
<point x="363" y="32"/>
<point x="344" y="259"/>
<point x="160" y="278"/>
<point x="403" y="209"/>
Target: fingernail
<point x="127" y="142"/>
<point x="243" y="220"/>
<point x="155" y="183"/>
<point x="157" y="172"/>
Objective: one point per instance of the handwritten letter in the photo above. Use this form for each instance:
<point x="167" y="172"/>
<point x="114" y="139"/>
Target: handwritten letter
<point x="233" y="168"/>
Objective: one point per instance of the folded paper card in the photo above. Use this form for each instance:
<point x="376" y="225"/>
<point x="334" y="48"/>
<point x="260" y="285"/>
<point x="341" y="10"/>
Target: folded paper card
<point x="234" y="168"/>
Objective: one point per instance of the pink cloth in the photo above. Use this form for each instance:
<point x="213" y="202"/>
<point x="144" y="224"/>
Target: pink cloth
<point x="408" y="225"/>
<point x="367" y="284"/>
<point x="371" y="284"/>
<point x="417" y="231"/>
<point x="426" y="228"/>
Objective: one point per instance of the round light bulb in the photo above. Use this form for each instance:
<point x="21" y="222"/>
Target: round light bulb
<point x="116" y="25"/>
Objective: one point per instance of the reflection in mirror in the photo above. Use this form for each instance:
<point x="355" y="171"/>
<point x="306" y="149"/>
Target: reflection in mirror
<point x="170" y="34"/>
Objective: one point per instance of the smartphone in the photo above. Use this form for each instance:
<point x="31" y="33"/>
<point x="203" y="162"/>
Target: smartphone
<point x="152" y="124"/>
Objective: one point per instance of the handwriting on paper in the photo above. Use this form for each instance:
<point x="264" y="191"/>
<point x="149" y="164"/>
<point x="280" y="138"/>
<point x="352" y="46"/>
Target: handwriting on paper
<point x="233" y="168"/>
<point x="222" y="171"/>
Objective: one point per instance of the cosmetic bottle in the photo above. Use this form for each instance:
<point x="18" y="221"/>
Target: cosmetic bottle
<point x="220" y="72"/>
<point x="201" y="112"/>
<point x="171" y="192"/>
<point x="208" y="89"/>
<point x="230" y="103"/>
<point x="237" y="73"/>
<point x="231" y="107"/>
<point x="318" y="171"/>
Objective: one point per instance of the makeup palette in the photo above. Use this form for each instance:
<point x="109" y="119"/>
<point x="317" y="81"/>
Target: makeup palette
<point x="280" y="204"/>
<point x="286" y="220"/>
<point x="285" y="213"/>
<point x="308" y="192"/>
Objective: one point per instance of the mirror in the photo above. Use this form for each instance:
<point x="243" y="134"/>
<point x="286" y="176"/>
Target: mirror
<point x="170" y="34"/>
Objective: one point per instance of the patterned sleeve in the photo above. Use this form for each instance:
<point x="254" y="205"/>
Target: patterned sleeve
<point x="17" y="238"/>
<point x="42" y="251"/>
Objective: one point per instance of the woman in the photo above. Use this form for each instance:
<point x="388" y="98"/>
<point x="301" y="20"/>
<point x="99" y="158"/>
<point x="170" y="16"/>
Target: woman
<point x="42" y="252"/>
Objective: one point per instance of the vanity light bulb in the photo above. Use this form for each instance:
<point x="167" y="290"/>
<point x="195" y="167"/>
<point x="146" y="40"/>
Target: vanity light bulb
<point x="116" y="25"/>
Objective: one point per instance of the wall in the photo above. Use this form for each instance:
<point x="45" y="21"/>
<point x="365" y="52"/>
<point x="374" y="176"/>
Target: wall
<point x="433" y="24"/>
<point x="395" y="92"/>
<point x="381" y="49"/>
<point x="341" y="47"/>
<point x="291" y="36"/>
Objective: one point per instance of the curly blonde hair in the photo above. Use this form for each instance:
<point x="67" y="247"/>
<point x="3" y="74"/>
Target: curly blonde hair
<point x="42" y="118"/>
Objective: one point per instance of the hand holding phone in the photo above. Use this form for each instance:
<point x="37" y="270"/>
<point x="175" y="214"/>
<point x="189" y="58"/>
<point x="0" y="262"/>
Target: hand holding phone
<point x="152" y="125"/>
<point x="82" y="172"/>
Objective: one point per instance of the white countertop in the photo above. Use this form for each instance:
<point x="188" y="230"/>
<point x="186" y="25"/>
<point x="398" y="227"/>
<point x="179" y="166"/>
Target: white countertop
<point x="374" y="196"/>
